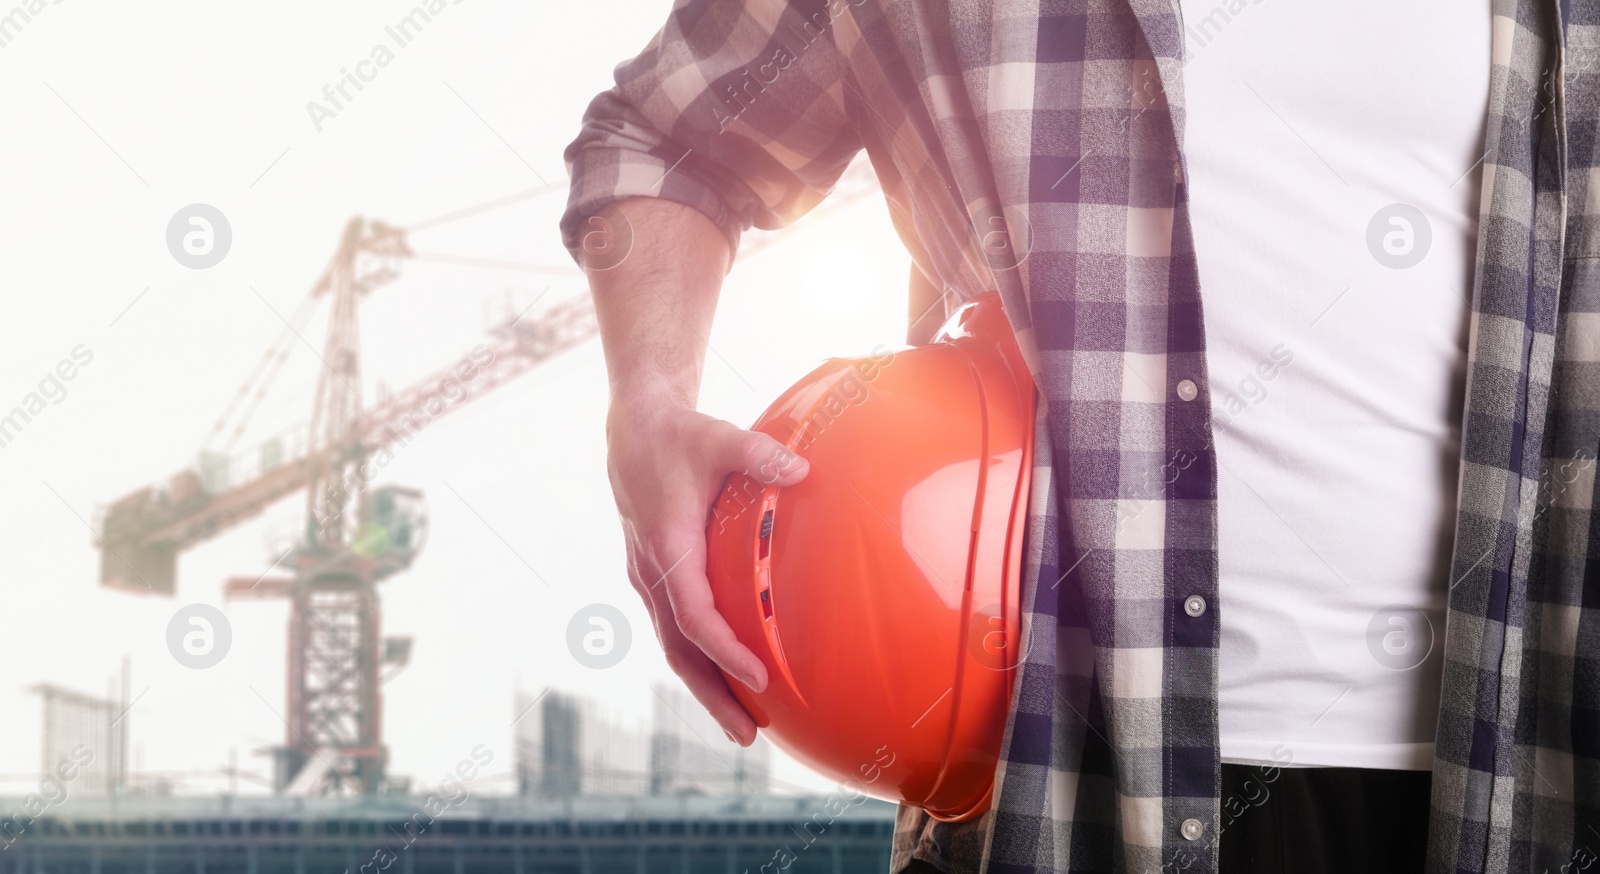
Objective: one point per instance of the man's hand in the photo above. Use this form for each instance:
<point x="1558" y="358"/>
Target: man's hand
<point x="667" y="466"/>
<point x="655" y="271"/>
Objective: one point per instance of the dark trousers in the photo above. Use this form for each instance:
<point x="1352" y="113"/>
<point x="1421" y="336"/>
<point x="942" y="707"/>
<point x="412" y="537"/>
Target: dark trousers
<point x="1317" y="821"/>
<point x="1323" y="820"/>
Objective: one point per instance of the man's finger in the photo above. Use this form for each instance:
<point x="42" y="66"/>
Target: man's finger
<point x="689" y="594"/>
<point x="707" y="685"/>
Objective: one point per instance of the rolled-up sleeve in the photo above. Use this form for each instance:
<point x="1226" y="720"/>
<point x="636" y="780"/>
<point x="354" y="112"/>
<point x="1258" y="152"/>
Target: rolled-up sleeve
<point x="736" y="108"/>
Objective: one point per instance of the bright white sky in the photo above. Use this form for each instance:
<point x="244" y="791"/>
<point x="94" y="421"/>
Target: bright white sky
<point x="118" y="114"/>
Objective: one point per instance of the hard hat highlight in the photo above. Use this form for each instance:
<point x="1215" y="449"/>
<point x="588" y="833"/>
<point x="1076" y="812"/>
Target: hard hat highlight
<point x="882" y="590"/>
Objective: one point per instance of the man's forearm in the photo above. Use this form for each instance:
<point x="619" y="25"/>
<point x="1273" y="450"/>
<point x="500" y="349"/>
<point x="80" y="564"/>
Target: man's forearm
<point x="656" y="268"/>
<point x="654" y="295"/>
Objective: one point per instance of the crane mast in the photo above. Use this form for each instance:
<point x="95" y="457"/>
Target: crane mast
<point x="337" y="408"/>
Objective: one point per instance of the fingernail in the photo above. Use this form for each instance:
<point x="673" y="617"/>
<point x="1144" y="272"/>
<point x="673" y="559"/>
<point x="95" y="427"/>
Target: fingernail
<point x="730" y="736"/>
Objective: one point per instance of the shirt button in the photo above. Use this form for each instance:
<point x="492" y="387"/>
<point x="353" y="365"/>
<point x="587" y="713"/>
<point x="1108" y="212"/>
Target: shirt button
<point x="1187" y="390"/>
<point x="1191" y="829"/>
<point x="1194" y="605"/>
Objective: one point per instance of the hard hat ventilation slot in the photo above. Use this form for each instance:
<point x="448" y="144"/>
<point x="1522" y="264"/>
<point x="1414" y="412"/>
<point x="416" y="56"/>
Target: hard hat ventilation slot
<point x="766" y="533"/>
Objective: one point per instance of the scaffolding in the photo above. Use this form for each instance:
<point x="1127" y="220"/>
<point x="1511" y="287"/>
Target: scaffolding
<point x="689" y="754"/>
<point x="75" y="724"/>
<point x="569" y="746"/>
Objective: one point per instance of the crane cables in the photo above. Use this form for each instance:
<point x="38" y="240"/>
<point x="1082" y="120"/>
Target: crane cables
<point x="490" y="263"/>
<point x="486" y="206"/>
<point x="858" y="182"/>
<point x="247" y="401"/>
<point x="254" y="390"/>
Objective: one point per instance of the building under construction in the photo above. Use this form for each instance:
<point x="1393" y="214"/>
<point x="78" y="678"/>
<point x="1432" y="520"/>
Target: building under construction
<point x="568" y="746"/>
<point x="74" y="722"/>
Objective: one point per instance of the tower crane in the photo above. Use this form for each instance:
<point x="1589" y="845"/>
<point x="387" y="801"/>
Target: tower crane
<point x="354" y="537"/>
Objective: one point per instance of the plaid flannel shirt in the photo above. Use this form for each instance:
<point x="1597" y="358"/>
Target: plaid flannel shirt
<point x="1034" y="148"/>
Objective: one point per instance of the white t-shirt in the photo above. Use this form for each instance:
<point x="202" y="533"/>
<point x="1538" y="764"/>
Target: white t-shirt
<point x="1336" y="369"/>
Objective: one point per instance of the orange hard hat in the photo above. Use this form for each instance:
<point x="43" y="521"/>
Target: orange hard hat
<point x="881" y="592"/>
